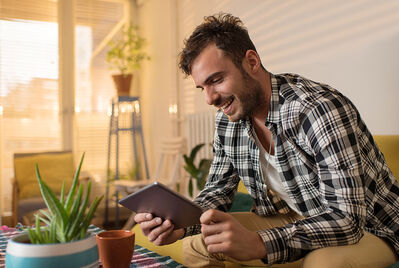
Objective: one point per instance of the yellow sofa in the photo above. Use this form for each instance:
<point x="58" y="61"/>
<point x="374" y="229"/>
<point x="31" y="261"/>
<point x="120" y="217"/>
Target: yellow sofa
<point x="388" y="144"/>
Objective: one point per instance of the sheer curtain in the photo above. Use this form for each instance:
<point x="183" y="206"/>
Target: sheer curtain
<point x="29" y="102"/>
<point x="29" y="82"/>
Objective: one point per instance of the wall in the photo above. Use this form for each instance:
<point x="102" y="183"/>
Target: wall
<point x="157" y="20"/>
<point x="351" y="45"/>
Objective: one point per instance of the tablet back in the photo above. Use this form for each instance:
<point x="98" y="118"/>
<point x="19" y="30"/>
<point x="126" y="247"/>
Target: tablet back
<point x="162" y="202"/>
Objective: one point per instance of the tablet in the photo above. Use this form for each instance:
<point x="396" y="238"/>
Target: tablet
<point x="163" y="202"/>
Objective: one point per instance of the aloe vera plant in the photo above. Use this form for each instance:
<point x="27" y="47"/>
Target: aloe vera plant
<point x="68" y="217"/>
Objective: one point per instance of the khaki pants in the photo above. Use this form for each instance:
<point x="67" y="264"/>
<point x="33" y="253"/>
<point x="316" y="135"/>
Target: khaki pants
<point x="371" y="251"/>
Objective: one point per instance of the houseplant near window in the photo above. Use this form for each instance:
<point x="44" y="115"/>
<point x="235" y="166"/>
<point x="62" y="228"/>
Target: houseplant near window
<point x="64" y="240"/>
<point x="125" y="55"/>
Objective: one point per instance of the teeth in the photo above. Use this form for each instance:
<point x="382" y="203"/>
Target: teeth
<point x="227" y="104"/>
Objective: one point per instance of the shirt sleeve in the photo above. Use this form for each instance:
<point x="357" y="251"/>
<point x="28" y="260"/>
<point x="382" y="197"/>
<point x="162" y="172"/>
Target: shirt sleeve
<point x="221" y="185"/>
<point x="330" y="131"/>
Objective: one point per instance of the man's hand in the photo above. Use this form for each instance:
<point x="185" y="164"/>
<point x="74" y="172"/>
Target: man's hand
<point x="224" y="234"/>
<point x="158" y="232"/>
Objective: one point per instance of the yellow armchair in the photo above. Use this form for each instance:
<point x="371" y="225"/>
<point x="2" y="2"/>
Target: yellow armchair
<point x="55" y="167"/>
<point x="389" y="146"/>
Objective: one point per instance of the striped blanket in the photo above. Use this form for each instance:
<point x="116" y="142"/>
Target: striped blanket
<point x="142" y="257"/>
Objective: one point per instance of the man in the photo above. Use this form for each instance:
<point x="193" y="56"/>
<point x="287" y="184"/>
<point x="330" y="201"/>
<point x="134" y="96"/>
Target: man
<point x="322" y="191"/>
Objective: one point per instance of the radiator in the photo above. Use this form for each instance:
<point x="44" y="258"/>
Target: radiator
<point x="200" y="129"/>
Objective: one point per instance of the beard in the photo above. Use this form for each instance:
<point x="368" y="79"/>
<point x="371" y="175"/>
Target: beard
<point x="251" y="97"/>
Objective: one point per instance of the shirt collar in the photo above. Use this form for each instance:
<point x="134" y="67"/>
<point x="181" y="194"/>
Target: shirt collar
<point x="274" y="115"/>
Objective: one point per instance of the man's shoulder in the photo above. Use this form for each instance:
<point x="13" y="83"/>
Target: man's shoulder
<point x="294" y="86"/>
<point x="301" y="94"/>
<point x="301" y="97"/>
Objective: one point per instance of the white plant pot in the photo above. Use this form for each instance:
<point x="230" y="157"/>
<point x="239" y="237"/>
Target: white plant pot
<point x="81" y="253"/>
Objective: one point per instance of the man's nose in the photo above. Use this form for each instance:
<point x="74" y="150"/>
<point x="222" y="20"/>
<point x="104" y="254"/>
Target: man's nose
<point x="211" y="96"/>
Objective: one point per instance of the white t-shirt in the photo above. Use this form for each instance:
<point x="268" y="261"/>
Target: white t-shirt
<point x="271" y="176"/>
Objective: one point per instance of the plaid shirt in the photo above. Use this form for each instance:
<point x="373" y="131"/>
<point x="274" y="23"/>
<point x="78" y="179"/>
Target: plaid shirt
<point x="328" y="163"/>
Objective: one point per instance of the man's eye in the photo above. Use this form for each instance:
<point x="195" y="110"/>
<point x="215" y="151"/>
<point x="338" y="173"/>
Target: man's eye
<point x="217" y="80"/>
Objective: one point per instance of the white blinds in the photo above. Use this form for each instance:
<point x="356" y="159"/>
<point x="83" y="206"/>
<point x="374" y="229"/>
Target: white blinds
<point x="29" y="95"/>
<point x="43" y="10"/>
<point x="28" y="83"/>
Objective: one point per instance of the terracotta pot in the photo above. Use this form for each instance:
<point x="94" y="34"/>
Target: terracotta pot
<point x="116" y="248"/>
<point x="122" y="83"/>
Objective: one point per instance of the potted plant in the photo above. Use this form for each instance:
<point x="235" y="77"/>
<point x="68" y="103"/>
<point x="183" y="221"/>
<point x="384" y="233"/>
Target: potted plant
<point x="64" y="240"/>
<point x="125" y="55"/>
<point x="200" y="172"/>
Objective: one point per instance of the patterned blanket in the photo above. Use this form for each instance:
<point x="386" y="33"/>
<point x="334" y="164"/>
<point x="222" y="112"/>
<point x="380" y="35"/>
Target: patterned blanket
<point x="142" y="257"/>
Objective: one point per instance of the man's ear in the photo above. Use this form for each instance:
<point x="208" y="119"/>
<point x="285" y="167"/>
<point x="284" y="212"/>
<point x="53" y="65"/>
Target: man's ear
<point x="253" y="60"/>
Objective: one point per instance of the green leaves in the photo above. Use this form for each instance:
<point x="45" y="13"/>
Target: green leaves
<point x="126" y="53"/>
<point x="66" y="219"/>
<point x="199" y="173"/>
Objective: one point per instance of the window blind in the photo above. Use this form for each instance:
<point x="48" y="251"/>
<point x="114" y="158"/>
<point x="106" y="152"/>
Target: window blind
<point x="28" y="83"/>
<point x="29" y="94"/>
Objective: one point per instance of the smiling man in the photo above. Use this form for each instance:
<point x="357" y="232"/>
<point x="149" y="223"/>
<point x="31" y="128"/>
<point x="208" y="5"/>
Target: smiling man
<point x="323" y="194"/>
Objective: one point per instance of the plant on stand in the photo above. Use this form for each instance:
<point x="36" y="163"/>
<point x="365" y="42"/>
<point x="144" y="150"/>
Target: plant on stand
<point x="66" y="230"/>
<point x="125" y="55"/>
<point x="200" y="172"/>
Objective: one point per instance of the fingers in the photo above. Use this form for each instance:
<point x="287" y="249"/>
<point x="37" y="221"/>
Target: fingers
<point x="215" y="222"/>
<point x="212" y="229"/>
<point x="157" y="231"/>
<point x="147" y="222"/>
<point x="215" y="238"/>
<point x="140" y="217"/>
<point x="212" y="216"/>
<point x="160" y="235"/>
<point x="148" y="226"/>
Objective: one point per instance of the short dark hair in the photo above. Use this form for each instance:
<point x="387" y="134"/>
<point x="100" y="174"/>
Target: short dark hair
<point x="225" y="31"/>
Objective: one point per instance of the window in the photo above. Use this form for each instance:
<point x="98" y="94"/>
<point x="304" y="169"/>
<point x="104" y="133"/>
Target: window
<point x="29" y="119"/>
<point x="29" y="82"/>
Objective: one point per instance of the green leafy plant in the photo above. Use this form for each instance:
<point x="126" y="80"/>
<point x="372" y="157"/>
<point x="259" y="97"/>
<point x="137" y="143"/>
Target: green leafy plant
<point x="126" y="53"/>
<point x="68" y="217"/>
<point x="200" y="172"/>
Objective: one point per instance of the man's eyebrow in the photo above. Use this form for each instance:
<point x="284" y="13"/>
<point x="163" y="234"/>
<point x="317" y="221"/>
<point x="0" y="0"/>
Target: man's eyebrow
<point x="209" y="78"/>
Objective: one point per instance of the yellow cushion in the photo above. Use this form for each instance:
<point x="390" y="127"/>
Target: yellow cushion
<point x="241" y="188"/>
<point x="175" y="250"/>
<point x="389" y="146"/>
<point x="54" y="169"/>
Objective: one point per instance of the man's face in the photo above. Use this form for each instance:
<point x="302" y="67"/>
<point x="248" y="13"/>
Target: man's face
<point x="226" y="87"/>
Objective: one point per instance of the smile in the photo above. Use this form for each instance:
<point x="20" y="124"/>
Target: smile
<point x="227" y="104"/>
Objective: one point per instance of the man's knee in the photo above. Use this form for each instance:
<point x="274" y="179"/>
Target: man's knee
<point x="326" y="258"/>
<point x="370" y="252"/>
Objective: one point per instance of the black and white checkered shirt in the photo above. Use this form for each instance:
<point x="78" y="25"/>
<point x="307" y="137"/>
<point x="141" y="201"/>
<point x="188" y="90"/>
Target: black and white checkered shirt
<point x="328" y="163"/>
